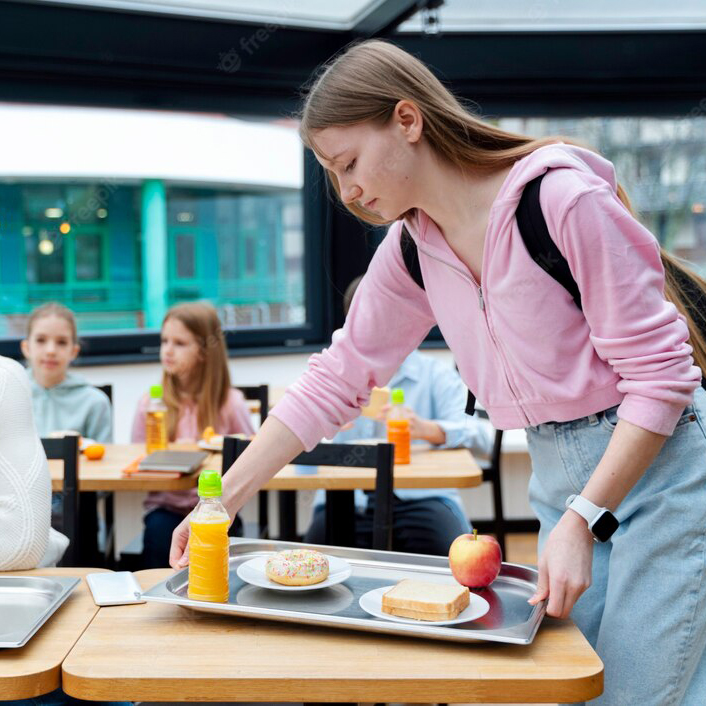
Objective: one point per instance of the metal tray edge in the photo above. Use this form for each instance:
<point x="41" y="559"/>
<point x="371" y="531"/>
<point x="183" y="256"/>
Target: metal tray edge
<point x="68" y="584"/>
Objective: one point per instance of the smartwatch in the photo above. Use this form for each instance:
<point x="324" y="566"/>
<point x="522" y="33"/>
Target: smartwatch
<point x="601" y="521"/>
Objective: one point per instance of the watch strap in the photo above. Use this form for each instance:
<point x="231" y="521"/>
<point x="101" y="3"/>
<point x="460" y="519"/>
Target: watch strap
<point x="584" y="507"/>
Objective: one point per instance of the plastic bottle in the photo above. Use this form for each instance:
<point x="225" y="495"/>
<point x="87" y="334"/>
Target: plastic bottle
<point x="208" y="543"/>
<point x="398" y="427"/>
<point x="156" y="422"/>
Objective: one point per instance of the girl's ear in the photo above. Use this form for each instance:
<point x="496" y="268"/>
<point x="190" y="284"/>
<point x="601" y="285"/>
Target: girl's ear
<point x="409" y="118"/>
<point x="24" y="347"/>
<point x="75" y="351"/>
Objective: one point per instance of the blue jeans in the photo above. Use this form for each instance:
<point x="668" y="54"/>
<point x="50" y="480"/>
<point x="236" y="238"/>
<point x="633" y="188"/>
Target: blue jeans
<point x="645" y="612"/>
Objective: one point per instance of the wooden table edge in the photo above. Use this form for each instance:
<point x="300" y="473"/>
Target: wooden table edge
<point x="52" y="676"/>
<point x="391" y="690"/>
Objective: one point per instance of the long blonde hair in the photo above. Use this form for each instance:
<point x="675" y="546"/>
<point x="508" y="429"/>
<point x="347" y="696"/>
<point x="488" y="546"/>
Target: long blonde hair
<point x="213" y="381"/>
<point x="365" y="83"/>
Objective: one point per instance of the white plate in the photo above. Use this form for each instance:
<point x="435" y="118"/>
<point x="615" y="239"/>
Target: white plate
<point x="253" y="571"/>
<point x="209" y="445"/>
<point x="371" y="602"/>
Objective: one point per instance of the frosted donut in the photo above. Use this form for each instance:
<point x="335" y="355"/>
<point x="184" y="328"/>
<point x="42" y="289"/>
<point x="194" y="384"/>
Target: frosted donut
<point x="297" y="567"/>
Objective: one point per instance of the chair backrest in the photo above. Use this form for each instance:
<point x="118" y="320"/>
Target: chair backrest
<point x="66" y="450"/>
<point x="259" y="393"/>
<point x="108" y="390"/>
<point x="378" y="456"/>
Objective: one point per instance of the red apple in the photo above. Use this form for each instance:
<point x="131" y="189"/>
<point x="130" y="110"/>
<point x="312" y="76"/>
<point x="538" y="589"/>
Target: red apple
<point x="475" y="559"/>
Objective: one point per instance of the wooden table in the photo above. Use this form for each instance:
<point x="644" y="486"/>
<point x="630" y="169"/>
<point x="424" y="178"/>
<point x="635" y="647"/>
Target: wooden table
<point x="35" y="669"/>
<point x="158" y="652"/>
<point x="107" y="474"/>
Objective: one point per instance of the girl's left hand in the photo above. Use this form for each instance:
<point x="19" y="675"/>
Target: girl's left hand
<point x="565" y="565"/>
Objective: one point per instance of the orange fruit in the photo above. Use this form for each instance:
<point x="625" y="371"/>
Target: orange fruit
<point x="208" y="434"/>
<point x="94" y="452"/>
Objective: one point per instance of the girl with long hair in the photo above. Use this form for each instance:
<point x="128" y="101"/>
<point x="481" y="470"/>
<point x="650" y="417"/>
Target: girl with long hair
<point x="608" y="392"/>
<point x="197" y="394"/>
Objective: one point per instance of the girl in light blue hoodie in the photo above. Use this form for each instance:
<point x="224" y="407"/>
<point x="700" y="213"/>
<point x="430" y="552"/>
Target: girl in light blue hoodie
<point x="62" y="400"/>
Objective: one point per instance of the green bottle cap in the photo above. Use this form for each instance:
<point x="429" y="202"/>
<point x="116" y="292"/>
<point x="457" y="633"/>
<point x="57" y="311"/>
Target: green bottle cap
<point x="210" y="484"/>
<point x="397" y="395"/>
<point x="156" y="392"/>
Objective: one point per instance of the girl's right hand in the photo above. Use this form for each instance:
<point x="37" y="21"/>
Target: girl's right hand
<point x="179" y="551"/>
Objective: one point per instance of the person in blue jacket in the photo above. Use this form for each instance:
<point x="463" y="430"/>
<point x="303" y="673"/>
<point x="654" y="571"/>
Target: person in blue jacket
<point x="426" y="520"/>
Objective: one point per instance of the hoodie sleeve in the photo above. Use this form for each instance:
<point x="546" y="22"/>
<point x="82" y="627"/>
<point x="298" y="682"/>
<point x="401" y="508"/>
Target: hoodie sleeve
<point x="389" y="317"/>
<point x="617" y="266"/>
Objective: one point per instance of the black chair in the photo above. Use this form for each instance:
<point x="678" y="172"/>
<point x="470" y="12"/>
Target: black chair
<point x="499" y="525"/>
<point x="108" y="502"/>
<point x="340" y="506"/>
<point x="107" y="390"/>
<point x="66" y="449"/>
<point x="261" y="394"/>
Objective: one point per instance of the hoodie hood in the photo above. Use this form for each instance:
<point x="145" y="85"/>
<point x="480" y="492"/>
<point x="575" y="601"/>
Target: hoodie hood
<point x="71" y="382"/>
<point x="595" y="167"/>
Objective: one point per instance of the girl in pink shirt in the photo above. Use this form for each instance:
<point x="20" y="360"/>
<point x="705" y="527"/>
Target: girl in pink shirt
<point x="607" y="391"/>
<point x="198" y="394"/>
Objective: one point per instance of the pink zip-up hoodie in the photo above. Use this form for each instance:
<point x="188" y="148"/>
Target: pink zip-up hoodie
<point x="522" y="346"/>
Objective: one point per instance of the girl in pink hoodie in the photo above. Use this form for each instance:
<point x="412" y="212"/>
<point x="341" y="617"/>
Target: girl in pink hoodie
<point x="606" y="391"/>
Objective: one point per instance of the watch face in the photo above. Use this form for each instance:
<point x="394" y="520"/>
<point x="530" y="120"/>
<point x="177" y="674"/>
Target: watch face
<point x="604" y="526"/>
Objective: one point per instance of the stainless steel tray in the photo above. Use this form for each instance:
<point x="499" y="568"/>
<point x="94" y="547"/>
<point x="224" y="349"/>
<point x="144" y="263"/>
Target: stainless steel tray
<point x="510" y="619"/>
<point x="27" y="602"/>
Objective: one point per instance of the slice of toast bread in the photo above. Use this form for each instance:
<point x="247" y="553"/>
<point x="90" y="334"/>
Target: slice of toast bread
<point x="423" y="600"/>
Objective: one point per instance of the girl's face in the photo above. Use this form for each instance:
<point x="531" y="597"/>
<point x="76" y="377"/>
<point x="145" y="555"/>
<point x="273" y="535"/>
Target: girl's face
<point x="375" y="165"/>
<point x="179" y="351"/>
<point x="50" y="348"/>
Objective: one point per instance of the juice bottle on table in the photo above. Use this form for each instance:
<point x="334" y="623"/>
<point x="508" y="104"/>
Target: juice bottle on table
<point x="156" y="421"/>
<point x="208" y="543"/>
<point x="398" y="427"/>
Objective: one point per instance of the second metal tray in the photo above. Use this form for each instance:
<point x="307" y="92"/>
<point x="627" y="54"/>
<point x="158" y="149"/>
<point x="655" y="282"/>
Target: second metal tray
<point x="27" y="602"/>
<point x="510" y="619"/>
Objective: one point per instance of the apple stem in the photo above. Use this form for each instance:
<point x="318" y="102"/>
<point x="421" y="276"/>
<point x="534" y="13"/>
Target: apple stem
<point x="475" y="535"/>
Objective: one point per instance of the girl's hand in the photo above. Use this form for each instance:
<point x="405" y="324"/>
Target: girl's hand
<point x="179" y="551"/>
<point x="565" y="565"/>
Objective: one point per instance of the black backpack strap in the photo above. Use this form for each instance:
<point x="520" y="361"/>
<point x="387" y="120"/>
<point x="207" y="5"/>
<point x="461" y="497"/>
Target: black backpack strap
<point x="538" y="241"/>
<point x="411" y="256"/>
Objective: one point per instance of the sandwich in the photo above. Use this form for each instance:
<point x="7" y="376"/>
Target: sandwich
<point x="422" y="600"/>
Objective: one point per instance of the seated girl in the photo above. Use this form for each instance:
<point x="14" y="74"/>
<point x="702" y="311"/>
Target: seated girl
<point x="197" y="394"/>
<point x="62" y="400"/>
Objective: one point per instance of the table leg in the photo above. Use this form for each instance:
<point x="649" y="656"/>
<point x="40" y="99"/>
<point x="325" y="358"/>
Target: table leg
<point x="288" y="515"/>
<point x="340" y="518"/>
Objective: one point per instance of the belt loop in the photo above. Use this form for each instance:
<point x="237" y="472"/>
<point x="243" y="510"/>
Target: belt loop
<point x="593" y="419"/>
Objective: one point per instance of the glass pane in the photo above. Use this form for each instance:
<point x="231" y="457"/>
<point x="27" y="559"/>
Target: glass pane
<point x="521" y="15"/>
<point x="89" y="257"/>
<point x="185" y="267"/>
<point x="251" y="250"/>
<point x="45" y="258"/>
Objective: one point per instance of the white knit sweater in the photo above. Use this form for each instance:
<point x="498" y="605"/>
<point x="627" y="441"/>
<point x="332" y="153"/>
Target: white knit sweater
<point x="26" y="537"/>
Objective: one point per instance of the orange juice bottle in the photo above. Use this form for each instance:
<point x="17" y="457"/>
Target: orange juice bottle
<point x="208" y="543"/>
<point x="398" y="427"/>
<point x="156" y="421"/>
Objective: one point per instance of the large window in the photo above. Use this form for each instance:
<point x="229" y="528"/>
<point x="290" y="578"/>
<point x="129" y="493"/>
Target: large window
<point x="194" y="207"/>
